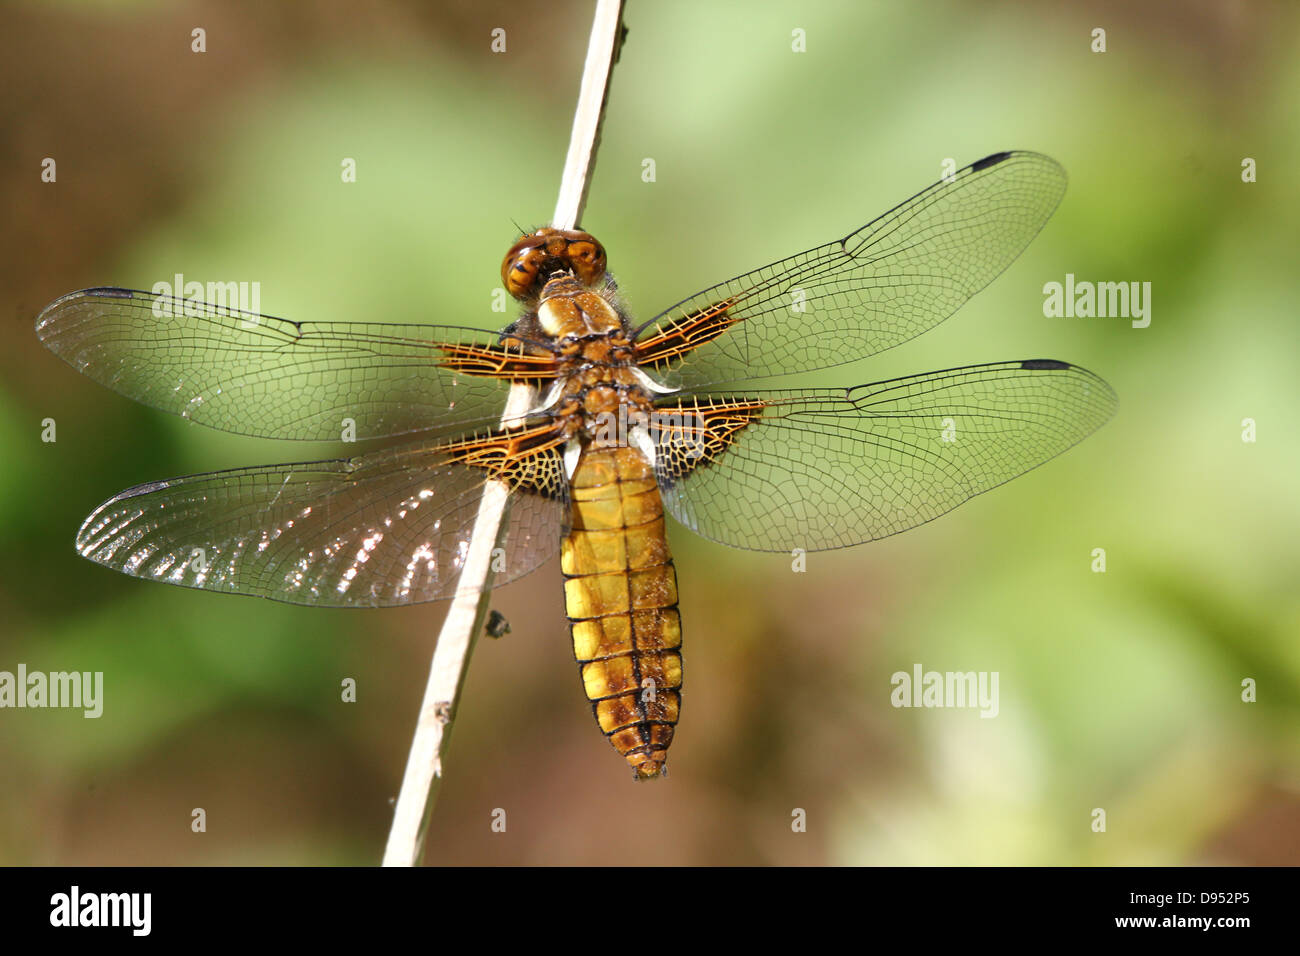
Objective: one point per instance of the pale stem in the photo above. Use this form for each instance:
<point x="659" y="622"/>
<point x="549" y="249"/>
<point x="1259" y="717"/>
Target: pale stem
<point x="469" y="607"/>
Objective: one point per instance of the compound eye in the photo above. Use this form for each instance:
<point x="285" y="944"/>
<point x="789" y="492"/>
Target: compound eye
<point x="520" y="267"/>
<point x="588" y="259"/>
<point x="520" y="274"/>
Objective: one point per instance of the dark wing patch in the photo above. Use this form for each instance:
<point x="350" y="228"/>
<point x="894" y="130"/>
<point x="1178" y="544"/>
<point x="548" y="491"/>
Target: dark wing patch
<point x="388" y="528"/>
<point x="826" y="468"/>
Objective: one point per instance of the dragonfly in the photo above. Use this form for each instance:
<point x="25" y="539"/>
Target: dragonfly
<point x="632" y="422"/>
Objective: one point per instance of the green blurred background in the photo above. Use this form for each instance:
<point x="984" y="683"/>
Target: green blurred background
<point x="1119" y="690"/>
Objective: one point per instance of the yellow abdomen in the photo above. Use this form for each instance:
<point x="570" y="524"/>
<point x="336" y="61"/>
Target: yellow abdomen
<point x="620" y="591"/>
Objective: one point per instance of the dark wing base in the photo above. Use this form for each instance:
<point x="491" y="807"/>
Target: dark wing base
<point x="380" y="530"/>
<point x="824" y="468"/>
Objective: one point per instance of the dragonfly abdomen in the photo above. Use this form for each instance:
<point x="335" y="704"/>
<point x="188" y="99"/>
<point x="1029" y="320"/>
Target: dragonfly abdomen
<point x="620" y="593"/>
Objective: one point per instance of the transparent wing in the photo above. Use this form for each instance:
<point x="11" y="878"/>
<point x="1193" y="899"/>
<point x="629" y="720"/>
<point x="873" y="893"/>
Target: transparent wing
<point x="888" y="282"/>
<point x="383" y="529"/>
<point x="259" y="375"/>
<point x="817" y="469"/>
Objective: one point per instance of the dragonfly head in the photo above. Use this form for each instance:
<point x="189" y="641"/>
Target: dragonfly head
<point x="548" y="252"/>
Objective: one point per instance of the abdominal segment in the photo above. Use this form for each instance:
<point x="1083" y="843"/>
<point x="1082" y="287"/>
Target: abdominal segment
<point x="620" y="593"/>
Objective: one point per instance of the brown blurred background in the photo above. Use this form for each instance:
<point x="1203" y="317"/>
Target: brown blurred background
<point x="1118" y="690"/>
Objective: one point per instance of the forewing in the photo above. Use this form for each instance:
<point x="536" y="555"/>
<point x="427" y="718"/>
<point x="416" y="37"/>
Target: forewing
<point x="888" y="282"/>
<point x="259" y="375"/>
<point x="388" y="528"/>
<point x="816" y="469"/>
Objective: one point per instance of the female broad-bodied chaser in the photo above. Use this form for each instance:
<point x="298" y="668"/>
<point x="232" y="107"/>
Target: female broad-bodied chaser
<point x="628" y="424"/>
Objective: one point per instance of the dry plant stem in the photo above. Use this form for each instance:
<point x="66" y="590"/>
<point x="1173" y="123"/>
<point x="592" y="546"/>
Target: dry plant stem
<point x="469" y="607"/>
<point x="601" y="51"/>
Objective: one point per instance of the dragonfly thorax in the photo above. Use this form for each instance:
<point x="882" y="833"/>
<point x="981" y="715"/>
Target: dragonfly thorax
<point x="567" y="312"/>
<point x="603" y="400"/>
<point x="575" y="322"/>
